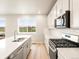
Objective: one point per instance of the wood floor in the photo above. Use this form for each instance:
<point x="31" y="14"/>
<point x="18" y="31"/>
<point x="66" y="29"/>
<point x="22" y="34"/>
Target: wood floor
<point x="38" y="51"/>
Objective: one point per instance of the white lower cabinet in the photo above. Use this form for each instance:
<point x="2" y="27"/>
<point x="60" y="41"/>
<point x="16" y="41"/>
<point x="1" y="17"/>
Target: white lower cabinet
<point x="29" y="45"/>
<point x="60" y="56"/>
<point x="47" y="43"/>
<point x="21" y="52"/>
<point x="17" y="54"/>
<point x="26" y="49"/>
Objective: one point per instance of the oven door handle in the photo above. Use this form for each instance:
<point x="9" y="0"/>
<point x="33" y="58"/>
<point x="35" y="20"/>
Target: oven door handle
<point x="54" y="50"/>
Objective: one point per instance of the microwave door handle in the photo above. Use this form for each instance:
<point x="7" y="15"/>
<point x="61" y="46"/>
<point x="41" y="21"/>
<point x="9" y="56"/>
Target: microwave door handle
<point x="63" y="22"/>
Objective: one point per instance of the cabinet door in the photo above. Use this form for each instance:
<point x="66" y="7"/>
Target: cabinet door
<point x="25" y="50"/>
<point x="66" y="5"/>
<point x="74" y="13"/>
<point x="27" y="47"/>
<point x="59" y="7"/>
<point x="47" y="42"/>
<point x="62" y="6"/>
<point x="29" y="44"/>
<point x="19" y="55"/>
<point x="52" y="16"/>
<point x="55" y="11"/>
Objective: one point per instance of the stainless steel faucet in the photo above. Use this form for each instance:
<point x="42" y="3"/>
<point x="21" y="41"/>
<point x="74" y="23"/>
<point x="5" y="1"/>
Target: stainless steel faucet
<point x="15" y="33"/>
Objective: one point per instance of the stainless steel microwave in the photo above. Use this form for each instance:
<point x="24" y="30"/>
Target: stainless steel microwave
<point x="63" y="21"/>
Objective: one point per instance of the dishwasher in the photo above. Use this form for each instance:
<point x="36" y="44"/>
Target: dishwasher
<point x="17" y="54"/>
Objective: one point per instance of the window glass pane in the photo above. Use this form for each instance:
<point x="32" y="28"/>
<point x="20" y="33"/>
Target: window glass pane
<point x="2" y="25"/>
<point x="2" y="29"/>
<point x="32" y="29"/>
<point x="27" y="24"/>
<point x="23" y="29"/>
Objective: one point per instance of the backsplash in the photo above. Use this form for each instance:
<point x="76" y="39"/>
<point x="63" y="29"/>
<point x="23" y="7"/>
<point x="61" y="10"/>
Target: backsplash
<point x="57" y="33"/>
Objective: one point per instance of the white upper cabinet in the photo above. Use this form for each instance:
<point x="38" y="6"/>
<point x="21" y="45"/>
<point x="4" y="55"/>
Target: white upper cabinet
<point x="66" y="5"/>
<point x="62" y="6"/>
<point x="52" y="16"/>
<point x="74" y="4"/>
<point x="55" y="11"/>
<point x="59" y="7"/>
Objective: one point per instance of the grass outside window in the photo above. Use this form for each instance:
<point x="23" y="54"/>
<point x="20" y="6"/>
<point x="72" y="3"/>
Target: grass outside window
<point x="27" y="29"/>
<point x="2" y="29"/>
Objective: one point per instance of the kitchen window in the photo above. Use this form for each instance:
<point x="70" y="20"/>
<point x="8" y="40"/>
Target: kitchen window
<point x="27" y="24"/>
<point x="2" y="27"/>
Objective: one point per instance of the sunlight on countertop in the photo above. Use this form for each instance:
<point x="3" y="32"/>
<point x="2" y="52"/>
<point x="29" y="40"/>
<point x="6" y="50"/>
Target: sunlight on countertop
<point x="2" y="43"/>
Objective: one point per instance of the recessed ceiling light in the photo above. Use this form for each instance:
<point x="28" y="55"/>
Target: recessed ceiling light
<point x="39" y="12"/>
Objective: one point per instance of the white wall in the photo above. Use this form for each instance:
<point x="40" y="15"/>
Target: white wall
<point x="11" y="25"/>
<point x="41" y="25"/>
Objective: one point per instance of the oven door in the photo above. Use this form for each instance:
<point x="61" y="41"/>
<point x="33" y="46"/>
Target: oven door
<point x="52" y="53"/>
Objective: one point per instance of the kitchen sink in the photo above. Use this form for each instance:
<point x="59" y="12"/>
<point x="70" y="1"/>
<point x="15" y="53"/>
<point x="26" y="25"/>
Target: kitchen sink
<point x="18" y="40"/>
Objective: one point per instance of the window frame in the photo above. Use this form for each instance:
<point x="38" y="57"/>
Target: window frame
<point x="27" y="30"/>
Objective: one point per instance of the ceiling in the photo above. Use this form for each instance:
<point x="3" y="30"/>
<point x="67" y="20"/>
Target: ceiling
<point x="25" y="6"/>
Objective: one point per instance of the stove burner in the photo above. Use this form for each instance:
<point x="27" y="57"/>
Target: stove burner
<point x="63" y="43"/>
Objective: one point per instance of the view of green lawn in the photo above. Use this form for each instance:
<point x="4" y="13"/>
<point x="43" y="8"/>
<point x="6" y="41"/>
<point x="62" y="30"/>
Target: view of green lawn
<point x="2" y="29"/>
<point x="22" y="29"/>
<point x="27" y="29"/>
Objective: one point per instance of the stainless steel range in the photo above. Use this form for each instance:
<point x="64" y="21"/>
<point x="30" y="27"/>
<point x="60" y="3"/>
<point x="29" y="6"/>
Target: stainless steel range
<point x="60" y="43"/>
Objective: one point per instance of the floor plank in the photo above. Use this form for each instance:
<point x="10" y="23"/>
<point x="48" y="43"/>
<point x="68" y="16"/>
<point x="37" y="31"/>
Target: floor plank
<point x="38" y="51"/>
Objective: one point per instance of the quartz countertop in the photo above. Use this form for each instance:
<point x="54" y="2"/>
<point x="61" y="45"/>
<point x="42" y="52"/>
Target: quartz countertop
<point x="7" y="46"/>
<point x="69" y="53"/>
